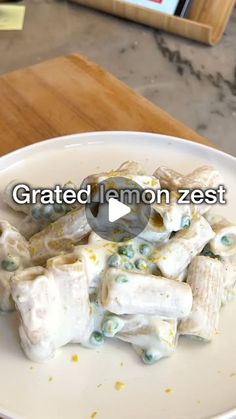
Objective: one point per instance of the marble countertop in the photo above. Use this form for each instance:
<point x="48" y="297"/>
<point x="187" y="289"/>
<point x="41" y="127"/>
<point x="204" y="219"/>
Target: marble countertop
<point x="193" y="82"/>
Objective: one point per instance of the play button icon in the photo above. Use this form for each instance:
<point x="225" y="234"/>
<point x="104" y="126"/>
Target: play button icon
<point x="114" y="212"/>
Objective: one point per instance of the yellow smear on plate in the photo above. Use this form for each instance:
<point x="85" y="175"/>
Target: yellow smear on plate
<point x="75" y="358"/>
<point x="50" y="379"/>
<point x="93" y="415"/>
<point x="119" y="385"/>
<point x="233" y="374"/>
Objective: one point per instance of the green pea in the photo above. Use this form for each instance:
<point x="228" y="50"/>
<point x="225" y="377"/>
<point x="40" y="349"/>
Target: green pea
<point x="207" y="252"/>
<point x="96" y="338"/>
<point x="145" y="249"/>
<point x="121" y="279"/>
<point x="111" y="326"/>
<point x="114" y="261"/>
<point x="129" y="266"/>
<point x="36" y="212"/>
<point x="126" y="251"/>
<point x="59" y="211"/>
<point x="185" y="222"/>
<point x="10" y="264"/>
<point x="210" y="254"/>
<point x="227" y="241"/>
<point x="59" y="208"/>
<point x="48" y="211"/>
<point x="150" y="357"/>
<point x="141" y="264"/>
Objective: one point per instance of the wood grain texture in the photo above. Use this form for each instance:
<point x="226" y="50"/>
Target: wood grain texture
<point x="206" y="23"/>
<point x="69" y="95"/>
<point x="215" y="14"/>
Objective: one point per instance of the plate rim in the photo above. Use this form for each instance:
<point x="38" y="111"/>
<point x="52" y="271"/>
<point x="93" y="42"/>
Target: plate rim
<point x="40" y="145"/>
<point x="14" y="156"/>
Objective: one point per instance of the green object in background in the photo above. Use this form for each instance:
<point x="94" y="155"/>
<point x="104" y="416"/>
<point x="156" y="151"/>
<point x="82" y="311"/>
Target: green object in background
<point x="11" y="17"/>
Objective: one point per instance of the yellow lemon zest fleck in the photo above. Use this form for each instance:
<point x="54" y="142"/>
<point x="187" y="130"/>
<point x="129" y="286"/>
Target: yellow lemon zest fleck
<point x="99" y="385"/>
<point x="75" y="358"/>
<point x="50" y="379"/>
<point x="171" y="333"/>
<point x="50" y="263"/>
<point x="114" y="173"/>
<point x="59" y="233"/>
<point x="33" y="251"/>
<point x="119" y="385"/>
<point x="168" y="390"/>
<point x="93" y="415"/>
<point x="93" y="258"/>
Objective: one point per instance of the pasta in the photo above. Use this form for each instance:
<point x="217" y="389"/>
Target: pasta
<point x="206" y="278"/>
<point x="14" y="256"/>
<point x="223" y="246"/>
<point x="203" y="177"/>
<point x="174" y="217"/>
<point x="224" y="241"/>
<point x="60" y="236"/>
<point x="71" y="286"/>
<point x="37" y="216"/>
<point x="174" y="256"/>
<point x="137" y="293"/>
<point x="54" y="306"/>
<point x="151" y="337"/>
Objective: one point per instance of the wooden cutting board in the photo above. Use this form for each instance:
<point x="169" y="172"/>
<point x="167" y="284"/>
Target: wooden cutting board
<point x="69" y="95"/>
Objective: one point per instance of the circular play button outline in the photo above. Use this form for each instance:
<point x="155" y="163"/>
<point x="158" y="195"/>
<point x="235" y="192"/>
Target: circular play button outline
<point x="116" y="211"/>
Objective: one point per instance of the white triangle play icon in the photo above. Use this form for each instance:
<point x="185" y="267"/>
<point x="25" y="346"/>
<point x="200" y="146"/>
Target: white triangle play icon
<point x="117" y="210"/>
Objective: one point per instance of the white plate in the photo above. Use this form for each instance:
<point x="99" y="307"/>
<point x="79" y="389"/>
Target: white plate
<point x="198" y="374"/>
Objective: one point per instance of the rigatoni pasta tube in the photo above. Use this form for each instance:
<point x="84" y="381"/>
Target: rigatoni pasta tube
<point x="229" y="289"/>
<point x="54" y="306"/>
<point x="224" y="242"/>
<point x="151" y="337"/>
<point x="95" y="260"/>
<point x="60" y="236"/>
<point x="206" y="279"/>
<point x="124" y="292"/>
<point x="174" y="256"/>
<point x="203" y="177"/>
<point x="14" y="256"/>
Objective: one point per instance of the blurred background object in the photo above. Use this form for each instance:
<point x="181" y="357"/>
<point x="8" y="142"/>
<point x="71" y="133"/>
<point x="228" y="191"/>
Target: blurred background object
<point x="193" y="82"/>
<point x="205" y="22"/>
